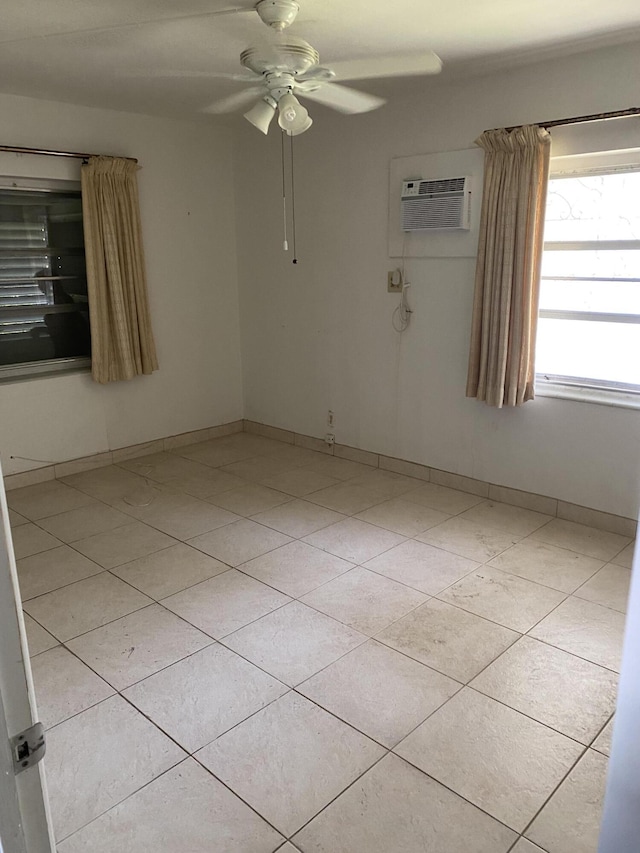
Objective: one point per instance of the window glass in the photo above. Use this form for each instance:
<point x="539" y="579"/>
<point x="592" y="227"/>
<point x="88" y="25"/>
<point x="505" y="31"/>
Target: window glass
<point x="596" y="350"/>
<point x="589" y="324"/>
<point x="594" y="207"/>
<point x="620" y="297"/>
<point x="44" y="309"/>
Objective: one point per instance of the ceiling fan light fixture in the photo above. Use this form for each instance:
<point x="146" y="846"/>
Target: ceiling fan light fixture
<point x="293" y="117"/>
<point x="301" y="128"/>
<point x="261" y="114"/>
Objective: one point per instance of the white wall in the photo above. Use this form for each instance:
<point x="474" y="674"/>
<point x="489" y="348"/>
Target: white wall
<point x="318" y="335"/>
<point x="187" y="206"/>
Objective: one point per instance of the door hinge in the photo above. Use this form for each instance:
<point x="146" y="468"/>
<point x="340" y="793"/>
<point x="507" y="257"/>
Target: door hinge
<point x="28" y="747"/>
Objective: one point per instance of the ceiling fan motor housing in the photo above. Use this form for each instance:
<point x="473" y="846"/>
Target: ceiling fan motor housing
<point x="290" y="55"/>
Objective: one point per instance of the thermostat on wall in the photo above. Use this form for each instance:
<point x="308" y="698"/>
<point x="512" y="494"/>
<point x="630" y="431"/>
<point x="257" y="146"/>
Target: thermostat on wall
<point x="436" y="205"/>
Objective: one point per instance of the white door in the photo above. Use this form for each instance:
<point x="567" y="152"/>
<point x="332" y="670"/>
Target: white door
<point x="621" y="820"/>
<point x="25" y="822"/>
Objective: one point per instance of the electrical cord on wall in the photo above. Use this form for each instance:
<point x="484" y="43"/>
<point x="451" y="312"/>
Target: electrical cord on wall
<point x="402" y="315"/>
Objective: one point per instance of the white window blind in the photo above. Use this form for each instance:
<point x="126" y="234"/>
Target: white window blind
<point x="44" y="321"/>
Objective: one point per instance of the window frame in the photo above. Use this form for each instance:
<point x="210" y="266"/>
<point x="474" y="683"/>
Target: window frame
<point x="585" y="389"/>
<point x="54" y="366"/>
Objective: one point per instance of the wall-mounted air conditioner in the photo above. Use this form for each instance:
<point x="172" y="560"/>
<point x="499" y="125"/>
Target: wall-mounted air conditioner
<point x="436" y="205"/>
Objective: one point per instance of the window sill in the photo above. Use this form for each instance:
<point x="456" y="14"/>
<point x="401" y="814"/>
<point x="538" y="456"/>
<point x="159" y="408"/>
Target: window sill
<point x="580" y="394"/>
<point x="44" y="369"/>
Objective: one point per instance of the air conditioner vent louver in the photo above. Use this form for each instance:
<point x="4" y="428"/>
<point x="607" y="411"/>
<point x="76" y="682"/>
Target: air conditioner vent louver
<point x="436" y="204"/>
<point x="448" y="185"/>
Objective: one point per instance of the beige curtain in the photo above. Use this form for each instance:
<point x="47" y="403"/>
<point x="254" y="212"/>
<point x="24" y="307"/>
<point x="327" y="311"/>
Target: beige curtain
<point x="122" y="343"/>
<point x="505" y="309"/>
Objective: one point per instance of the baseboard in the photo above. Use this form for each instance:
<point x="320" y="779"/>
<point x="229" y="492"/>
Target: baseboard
<point x="120" y="454"/>
<point x="492" y="491"/>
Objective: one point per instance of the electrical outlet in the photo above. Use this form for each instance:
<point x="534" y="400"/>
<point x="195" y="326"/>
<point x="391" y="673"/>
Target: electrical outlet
<point x="330" y="439"/>
<point x="331" y="418"/>
<point x="394" y="281"/>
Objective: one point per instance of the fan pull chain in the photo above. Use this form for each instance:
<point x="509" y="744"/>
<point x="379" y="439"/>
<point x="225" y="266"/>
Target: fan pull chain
<point x="285" y="244"/>
<point x="293" y="204"/>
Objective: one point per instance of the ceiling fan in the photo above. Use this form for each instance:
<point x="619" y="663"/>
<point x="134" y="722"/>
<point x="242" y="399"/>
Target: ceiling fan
<point x="285" y="66"/>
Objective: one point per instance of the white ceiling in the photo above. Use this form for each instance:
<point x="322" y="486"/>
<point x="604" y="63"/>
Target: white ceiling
<point x="106" y="52"/>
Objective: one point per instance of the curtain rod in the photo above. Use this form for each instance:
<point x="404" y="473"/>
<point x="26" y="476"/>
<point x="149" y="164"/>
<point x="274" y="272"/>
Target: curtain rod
<point x="17" y="150"/>
<point x="632" y="111"/>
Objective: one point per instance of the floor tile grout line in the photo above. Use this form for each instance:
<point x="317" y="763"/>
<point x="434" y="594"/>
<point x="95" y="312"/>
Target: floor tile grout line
<point x="461" y="796"/>
<point x="377" y="638"/>
<point x="235" y="630"/>
<point x="477" y="567"/>
<point x="470" y="613"/>
<point x="340" y="794"/>
<point x="536" y="583"/>
<point x="183" y="589"/>
<point x="501" y="624"/>
<point x="124" y="799"/>
<point x="468" y="684"/>
<point x="324" y="455"/>
<point x="158" y="601"/>
<point x="308" y="533"/>
<point x="600" y="731"/>
<point x="178" y="541"/>
<point x="554" y="792"/>
<point x="245" y="719"/>
<point x="291" y="687"/>
<point x="407" y="585"/>
<point x="539" y="583"/>
<point x="94" y="503"/>
<point x="88" y="707"/>
<point x="108" y="568"/>
<point x="371" y="737"/>
<point x="574" y="550"/>
<point x="384" y="500"/>
<point x="62" y="586"/>
<point x="208" y="645"/>
<point x="239" y="654"/>
<point x="296" y="597"/>
<point x="187" y="754"/>
<point x="350" y="560"/>
<point x="528" y="632"/>
<point x="348" y="624"/>
<point x="591" y="601"/>
<point x="389" y="752"/>
<point x="583" y="746"/>
<point x="96" y="627"/>
<point x="113" y="570"/>
<point x="188" y="751"/>
<point x="580" y="657"/>
<point x="373" y="638"/>
<point x="242" y="800"/>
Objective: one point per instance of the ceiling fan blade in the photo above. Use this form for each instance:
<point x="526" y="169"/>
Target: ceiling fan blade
<point x="215" y="13"/>
<point x="235" y="101"/>
<point x="342" y="98"/>
<point x="177" y="74"/>
<point x="400" y="65"/>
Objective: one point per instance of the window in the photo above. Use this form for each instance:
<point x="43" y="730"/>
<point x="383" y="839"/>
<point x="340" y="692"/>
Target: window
<point x="44" y="309"/>
<point x="589" y="321"/>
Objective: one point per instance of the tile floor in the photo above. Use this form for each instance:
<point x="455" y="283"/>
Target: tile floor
<point x="241" y="646"/>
